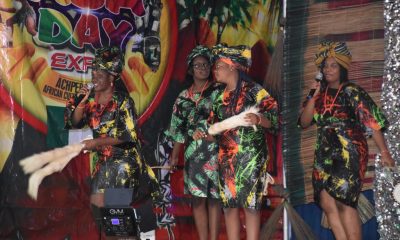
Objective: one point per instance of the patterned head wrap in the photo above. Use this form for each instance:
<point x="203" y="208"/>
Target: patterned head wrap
<point x="338" y="50"/>
<point x="240" y="54"/>
<point x="109" y="59"/>
<point x="199" y="50"/>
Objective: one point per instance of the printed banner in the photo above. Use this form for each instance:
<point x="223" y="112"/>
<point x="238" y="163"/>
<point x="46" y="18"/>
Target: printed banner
<point x="48" y="46"/>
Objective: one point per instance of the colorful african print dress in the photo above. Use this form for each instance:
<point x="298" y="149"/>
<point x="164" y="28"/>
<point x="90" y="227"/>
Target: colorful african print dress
<point x="122" y="165"/>
<point x="341" y="150"/>
<point x="190" y="112"/>
<point x="243" y="154"/>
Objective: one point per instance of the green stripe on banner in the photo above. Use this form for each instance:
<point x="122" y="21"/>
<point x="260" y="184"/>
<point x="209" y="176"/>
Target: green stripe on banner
<point x="297" y="13"/>
<point x="57" y="136"/>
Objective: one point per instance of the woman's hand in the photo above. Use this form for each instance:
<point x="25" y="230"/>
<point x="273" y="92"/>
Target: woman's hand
<point x="387" y="160"/>
<point x="90" y="144"/>
<point x="317" y="87"/>
<point x="198" y="134"/>
<point x="85" y="91"/>
<point x="174" y="159"/>
<point x="173" y="162"/>
<point x="252" y="119"/>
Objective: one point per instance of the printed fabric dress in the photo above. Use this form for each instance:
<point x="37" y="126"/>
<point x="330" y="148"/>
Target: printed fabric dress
<point x="122" y="165"/>
<point x="341" y="150"/>
<point x="243" y="154"/>
<point x="191" y="111"/>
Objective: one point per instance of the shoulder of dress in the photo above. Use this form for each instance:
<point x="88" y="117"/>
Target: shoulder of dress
<point x="120" y="94"/>
<point x="184" y="92"/>
<point x="352" y="88"/>
<point x="252" y="86"/>
<point x="256" y="89"/>
<point x="218" y="88"/>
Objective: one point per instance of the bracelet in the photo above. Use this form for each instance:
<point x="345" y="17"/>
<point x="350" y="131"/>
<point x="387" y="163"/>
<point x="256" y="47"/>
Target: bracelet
<point x="79" y="106"/>
<point x="385" y="151"/>
<point x="259" y="120"/>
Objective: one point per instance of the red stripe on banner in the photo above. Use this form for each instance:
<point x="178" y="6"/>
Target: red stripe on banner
<point x="349" y="3"/>
<point x="357" y="36"/>
<point x="168" y="72"/>
<point x="21" y="112"/>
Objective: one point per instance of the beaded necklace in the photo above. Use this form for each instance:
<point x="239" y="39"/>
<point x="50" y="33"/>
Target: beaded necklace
<point x="330" y="107"/>
<point x="191" y="93"/>
<point x="101" y="107"/>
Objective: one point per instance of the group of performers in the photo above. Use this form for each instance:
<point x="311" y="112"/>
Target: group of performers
<point x="225" y="168"/>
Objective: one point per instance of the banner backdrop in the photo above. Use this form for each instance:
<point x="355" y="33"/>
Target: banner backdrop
<point x="46" y="53"/>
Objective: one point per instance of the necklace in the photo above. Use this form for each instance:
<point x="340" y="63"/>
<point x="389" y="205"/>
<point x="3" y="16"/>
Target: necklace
<point x="230" y="90"/>
<point x="331" y="105"/>
<point x="191" y="92"/>
<point x="101" y="107"/>
<point x="227" y="92"/>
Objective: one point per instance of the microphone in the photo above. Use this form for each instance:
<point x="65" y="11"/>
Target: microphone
<point x="90" y="86"/>
<point x="318" y="78"/>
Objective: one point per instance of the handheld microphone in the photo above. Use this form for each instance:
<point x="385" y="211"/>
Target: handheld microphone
<point x="90" y="86"/>
<point x="318" y="78"/>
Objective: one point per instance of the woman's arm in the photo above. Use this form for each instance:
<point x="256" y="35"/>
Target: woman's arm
<point x="257" y="119"/>
<point x="387" y="159"/>
<point x="78" y="113"/>
<point x="92" y="144"/>
<point x="9" y="10"/>
<point x="263" y="122"/>
<point x="200" y="134"/>
<point x="306" y="116"/>
<point x="175" y="154"/>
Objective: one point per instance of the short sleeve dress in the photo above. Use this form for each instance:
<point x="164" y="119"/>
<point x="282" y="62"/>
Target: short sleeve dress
<point x="341" y="150"/>
<point x="190" y="112"/>
<point x="122" y="165"/>
<point x="243" y="155"/>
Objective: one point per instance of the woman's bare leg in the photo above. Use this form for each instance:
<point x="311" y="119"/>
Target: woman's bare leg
<point x="232" y="222"/>
<point x="214" y="218"/>
<point x="252" y="224"/>
<point x="200" y="217"/>
<point x="328" y="204"/>
<point x="350" y="220"/>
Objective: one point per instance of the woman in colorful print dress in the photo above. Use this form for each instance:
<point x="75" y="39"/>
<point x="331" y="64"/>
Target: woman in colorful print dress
<point x="111" y="116"/>
<point x="243" y="155"/>
<point x="191" y="109"/>
<point x="343" y="113"/>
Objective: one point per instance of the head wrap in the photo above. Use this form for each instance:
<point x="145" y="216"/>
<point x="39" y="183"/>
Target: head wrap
<point x="199" y="50"/>
<point x="338" y="50"/>
<point x="240" y="54"/>
<point x="109" y="59"/>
